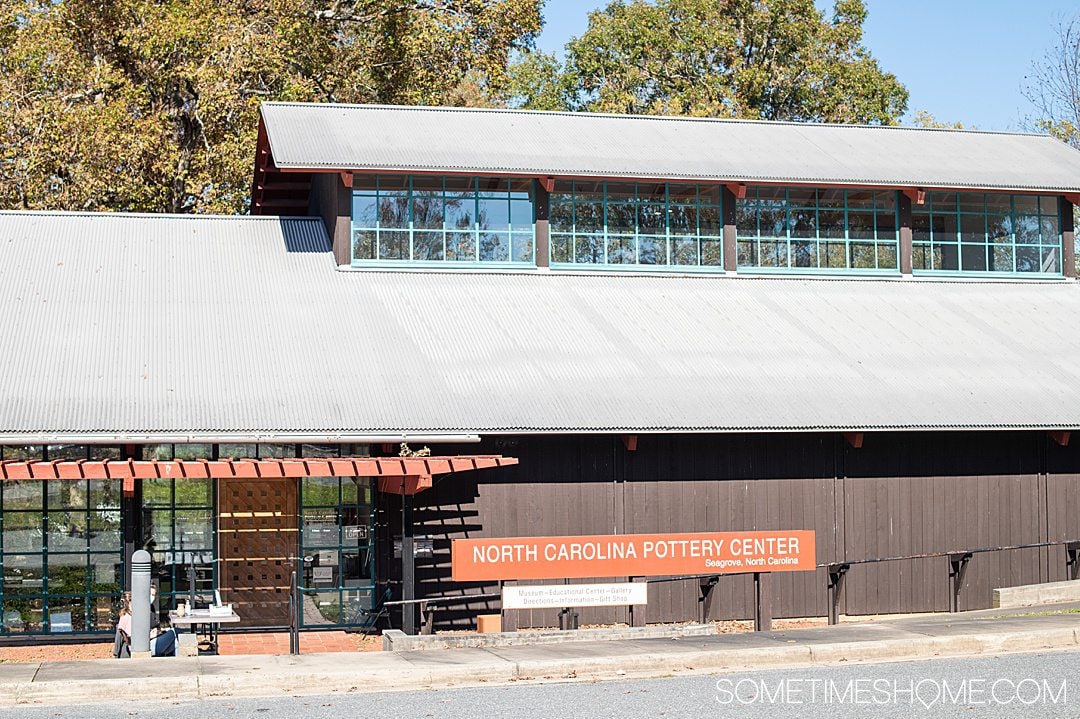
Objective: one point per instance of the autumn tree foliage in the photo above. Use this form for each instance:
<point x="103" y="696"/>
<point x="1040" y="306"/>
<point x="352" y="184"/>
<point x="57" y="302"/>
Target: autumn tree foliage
<point x="152" y="105"/>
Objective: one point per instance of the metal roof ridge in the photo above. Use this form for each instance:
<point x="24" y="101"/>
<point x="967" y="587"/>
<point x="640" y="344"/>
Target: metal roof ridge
<point x="625" y="116"/>
<point x="153" y="215"/>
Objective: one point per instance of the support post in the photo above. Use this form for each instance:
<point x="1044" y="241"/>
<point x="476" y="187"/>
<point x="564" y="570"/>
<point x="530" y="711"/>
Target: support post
<point x="568" y="619"/>
<point x="509" y="619"/>
<point x="1072" y="560"/>
<point x="129" y="508"/>
<point x="837" y="572"/>
<point x="408" y="566"/>
<point x="958" y="564"/>
<point x="706" y="585"/>
<point x="294" y="614"/>
<point x="762" y="601"/>
<point x="543" y="225"/>
<point x="637" y="611"/>
<point x="904" y="208"/>
<point x="140" y="604"/>
<point x="1068" y="238"/>
<point x="727" y="207"/>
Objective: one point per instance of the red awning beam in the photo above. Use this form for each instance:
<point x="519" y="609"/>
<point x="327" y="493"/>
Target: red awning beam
<point x="397" y="467"/>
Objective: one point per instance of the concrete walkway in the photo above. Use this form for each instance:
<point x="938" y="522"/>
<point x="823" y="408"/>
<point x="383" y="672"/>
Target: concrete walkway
<point x="984" y="632"/>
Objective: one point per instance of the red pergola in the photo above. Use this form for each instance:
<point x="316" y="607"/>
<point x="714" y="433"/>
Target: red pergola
<point x="399" y="475"/>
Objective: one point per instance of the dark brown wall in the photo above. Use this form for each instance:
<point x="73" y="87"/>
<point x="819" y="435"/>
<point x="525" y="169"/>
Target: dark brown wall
<point x="332" y="201"/>
<point x="900" y="494"/>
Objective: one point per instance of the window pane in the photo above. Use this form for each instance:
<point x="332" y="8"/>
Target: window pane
<point x="831" y="224"/>
<point x="193" y="451"/>
<point x="427" y="245"/>
<point x="711" y="252"/>
<point x="1028" y="259"/>
<point x="621" y="218"/>
<point x="621" y="250"/>
<point x="460" y="246"/>
<point x="23" y="494"/>
<point x="804" y="254"/>
<point x="494" y="214"/>
<point x="67" y="574"/>
<point x="886" y="256"/>
<point x="998" y="204"/>
<point x="588" y="217"/>
<point x="393" y="245"/>
<point x="746" y="220"/>
<point x="1025" y="204"/>
<point x="652" y="219"/>
<point x="861" y="225"/>
<point x="834" y="254"/>
<point x="68" y="452"/>
<point x="365" y="211"/>
<point x="803" y="223"/>
<point x="521" y="247"/>
<point x="683" y="251"/>
<point x="682" y="220"/>
<point x="521" y="214"/>
<point x="589" y="249"/>
<point x="972" y="228"/>
<point x="427" y="212"/>
<point x="194" y="492"/>
<point x="561" y="217"/>
<point x="1050" y="259"/>
<point x="320" y="491"/>
<point x="920" y="227"/>
<point x="23" y="531"/>
<point x="973" y="257"/>
<point x="237" y="451"/>
<point x="70" y="494"/>
<point x="460" y="213"/>
<point x="972" y="202"/>
<point x="1027" y="229"/>
<point x="23" y="615"/>
<point x="1051" y="234"/>
<point x="494" y="247"/>
<point x="1001" y="258"/>
<point x="393" y="212"/>
<point x="560" y="248"/>
<point x="863" y="255"/>
<point x="946" y="257"/>
<point x="652" y="250"/>
<point x="920" y="257"/>
<point x="710" y="223"/>
<point x="747" y="253"/>
<point x="104" y="530"/>
<point x="320" y="527"/>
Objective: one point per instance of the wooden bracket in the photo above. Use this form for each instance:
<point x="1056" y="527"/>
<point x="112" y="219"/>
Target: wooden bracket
<point x="1072" y="197"/>
<point x="855" y="439"/>
<point x="917" y="194"/>
<point x="1061" y="436"/>
<point x="548" y="183"/>
<point x="737" y="188"/>
<point x="346" y="178"/>
<point x="630" y="440"/>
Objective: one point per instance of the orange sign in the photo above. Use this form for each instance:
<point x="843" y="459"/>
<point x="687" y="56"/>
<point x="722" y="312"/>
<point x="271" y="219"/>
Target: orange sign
<point x="632" y="555"/>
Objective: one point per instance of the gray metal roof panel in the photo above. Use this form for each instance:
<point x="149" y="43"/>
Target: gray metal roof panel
<point x="196" y="326"/>
<point x="417" y="139"/>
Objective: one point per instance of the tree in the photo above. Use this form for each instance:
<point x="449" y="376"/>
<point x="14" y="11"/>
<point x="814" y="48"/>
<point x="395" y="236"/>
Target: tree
<point x="924" y="119"/>
<point x="152" y="105"/>
<point x="1053" y="85"/>
<point x="767" y="59"/>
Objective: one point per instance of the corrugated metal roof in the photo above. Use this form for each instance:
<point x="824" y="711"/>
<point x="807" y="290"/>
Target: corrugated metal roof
<point x="201" y="326"/>
<point x="369" y="137"/>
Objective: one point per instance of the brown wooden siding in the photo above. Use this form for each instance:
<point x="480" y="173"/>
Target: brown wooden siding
<point x="901" y="494"/>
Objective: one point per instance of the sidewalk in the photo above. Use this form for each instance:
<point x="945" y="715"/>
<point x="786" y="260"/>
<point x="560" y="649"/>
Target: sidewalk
<point x="983" y="632"/>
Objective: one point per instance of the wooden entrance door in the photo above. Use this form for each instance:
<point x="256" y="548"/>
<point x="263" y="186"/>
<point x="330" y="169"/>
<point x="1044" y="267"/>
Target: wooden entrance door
<point x="257" y="535"/>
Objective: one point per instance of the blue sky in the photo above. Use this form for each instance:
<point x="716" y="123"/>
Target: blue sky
<point x="963" y="60"/>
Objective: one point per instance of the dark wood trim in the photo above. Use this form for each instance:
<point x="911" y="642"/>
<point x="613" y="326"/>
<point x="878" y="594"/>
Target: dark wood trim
<point x="543" y="231"/>
<point x="904" y="207"/>
<point x="727" y="207"/>
<point x="1068" y="238"/>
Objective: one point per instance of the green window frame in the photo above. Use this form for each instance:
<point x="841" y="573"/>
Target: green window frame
<point x="817" y="229"/>
<point x="443" y="221"/>
<point x="965" y="232"/>
<point x="61" y="553"/>
<point x="180" y="526"/>
<point x="337" y="541"/>
<point x="654" y="225"/>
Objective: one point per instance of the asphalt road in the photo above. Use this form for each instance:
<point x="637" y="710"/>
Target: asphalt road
<point x="1037" y="685"/>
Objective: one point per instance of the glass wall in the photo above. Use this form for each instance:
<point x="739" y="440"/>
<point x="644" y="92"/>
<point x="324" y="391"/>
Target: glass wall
<point x="977" y="232"/>
<point x="636" y="223"/>
<point x="336" y="533"/>
<point x="778" y="227"/>
<point x="62" y="559"/>
<point x="442" y="219"/>
<point x="178" y="530"/>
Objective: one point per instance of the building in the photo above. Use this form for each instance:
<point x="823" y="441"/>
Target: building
<point x="597" y="324"/>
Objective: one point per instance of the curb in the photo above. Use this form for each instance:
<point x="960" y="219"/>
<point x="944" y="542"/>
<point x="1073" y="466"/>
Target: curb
<point x="502" y="671"/>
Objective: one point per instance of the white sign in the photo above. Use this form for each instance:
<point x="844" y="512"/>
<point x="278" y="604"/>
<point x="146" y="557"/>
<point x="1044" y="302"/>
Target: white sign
<point x="551" y="596"/>
<point x="322" y="574"/>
